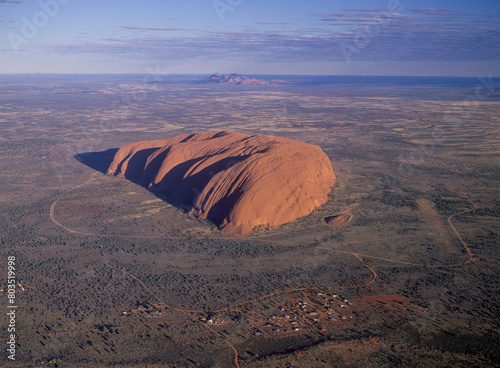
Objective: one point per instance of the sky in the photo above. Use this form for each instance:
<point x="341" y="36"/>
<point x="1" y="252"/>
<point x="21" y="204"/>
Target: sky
<point x="322" y="37"/>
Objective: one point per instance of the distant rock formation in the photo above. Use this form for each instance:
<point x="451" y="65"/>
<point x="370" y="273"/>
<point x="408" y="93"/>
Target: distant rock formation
<point x="241" y="79"/>
<point x="240" y="182"/>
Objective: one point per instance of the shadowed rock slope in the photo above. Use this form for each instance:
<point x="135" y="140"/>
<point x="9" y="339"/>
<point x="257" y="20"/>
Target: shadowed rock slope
<point x="240" y="182"/>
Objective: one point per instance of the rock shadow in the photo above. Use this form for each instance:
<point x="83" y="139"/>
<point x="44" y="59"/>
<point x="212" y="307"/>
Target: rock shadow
<point x="98" y="161"/>
<point x="176" y="187"/>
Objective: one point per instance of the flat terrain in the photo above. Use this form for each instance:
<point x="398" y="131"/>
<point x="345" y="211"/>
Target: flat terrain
<point x="443" y="236"/>
<point x="405" y="273"/>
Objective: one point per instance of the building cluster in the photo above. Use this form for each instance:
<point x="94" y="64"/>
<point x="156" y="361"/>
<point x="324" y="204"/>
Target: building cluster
<point x="315" y="312"/>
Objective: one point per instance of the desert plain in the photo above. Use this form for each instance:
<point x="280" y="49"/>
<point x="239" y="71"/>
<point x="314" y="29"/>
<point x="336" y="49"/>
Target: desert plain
<point x="399" y="268"/>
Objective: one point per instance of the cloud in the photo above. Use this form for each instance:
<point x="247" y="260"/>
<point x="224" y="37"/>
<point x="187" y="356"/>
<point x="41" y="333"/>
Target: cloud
<point x="11" y="1"/>
<point x="414" y="35"/>
<point x="152" y="28"/>
<point x="368" y="35"/>
<point x="434" y="11"/>
<point x="360" y="17"/>
<point x="273" y="23"/>
<point x="213" y="45"/>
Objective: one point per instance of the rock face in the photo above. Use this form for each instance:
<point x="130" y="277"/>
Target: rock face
<point x="240" y="182"/>
<point x="241" y="79"/>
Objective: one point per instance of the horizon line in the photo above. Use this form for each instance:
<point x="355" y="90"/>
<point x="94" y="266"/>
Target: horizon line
<point x="255" y="74"/>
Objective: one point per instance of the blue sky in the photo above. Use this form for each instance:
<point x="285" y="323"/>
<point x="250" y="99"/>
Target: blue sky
<point x="334" y="37"/>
